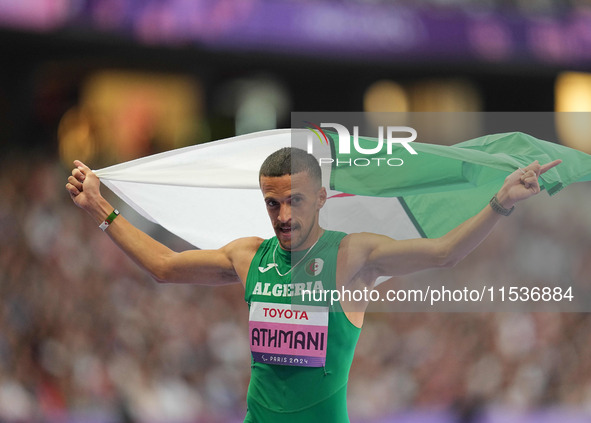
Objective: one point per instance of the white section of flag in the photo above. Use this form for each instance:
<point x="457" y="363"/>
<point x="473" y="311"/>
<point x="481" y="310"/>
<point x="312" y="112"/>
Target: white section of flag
<point x="209" y="194"/>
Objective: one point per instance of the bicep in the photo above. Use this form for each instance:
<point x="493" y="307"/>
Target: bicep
<point x="205" y="267"/>
<point x="390" y="257"/>
<point x="226" y="265"/>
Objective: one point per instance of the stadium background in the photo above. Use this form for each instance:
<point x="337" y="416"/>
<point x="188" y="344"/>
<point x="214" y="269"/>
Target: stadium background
<point x="87" y="337"/>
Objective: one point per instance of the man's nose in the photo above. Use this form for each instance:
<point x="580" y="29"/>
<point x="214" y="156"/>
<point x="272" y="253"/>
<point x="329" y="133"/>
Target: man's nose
<point x="284" y="213"/>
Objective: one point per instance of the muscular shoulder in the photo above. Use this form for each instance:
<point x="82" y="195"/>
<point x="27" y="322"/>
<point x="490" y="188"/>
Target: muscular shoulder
<point x="355" y="251"/>
<point x="241" y="252"/>
<point x="361" y="244"/>
<point x="247" y="243"/>
<point x="242" y="248"/>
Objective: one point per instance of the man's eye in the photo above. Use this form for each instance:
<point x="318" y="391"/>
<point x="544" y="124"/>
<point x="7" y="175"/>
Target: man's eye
<point x="271" y="204"/>
<point x="296" y="200"/>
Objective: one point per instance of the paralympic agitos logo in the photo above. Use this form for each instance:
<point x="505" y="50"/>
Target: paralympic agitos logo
<point x="386" y="135"/>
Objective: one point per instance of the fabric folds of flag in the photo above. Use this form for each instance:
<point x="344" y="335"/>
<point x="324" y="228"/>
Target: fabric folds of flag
<point x="442" y="186"/>
<point x="209" y="194"/>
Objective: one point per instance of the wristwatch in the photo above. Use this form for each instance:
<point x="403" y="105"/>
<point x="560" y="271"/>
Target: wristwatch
<point x="498" y="208"/>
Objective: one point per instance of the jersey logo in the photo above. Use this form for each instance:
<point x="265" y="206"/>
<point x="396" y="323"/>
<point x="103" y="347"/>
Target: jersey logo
<point x="314" y="266"/>
<point x="269" y="267"/>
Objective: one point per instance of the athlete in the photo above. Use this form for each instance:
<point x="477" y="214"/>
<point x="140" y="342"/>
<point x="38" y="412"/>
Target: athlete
<point x="301" y="350"/>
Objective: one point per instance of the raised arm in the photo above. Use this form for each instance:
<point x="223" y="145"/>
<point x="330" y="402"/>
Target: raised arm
<point x="379" y="255"/>
<point x="228" y="264"/>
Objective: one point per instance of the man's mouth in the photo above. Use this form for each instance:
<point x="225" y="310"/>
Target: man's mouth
<point x="287" y="229"/>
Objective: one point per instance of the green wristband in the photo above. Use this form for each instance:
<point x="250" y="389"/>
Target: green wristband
<point x="109" y="219"/>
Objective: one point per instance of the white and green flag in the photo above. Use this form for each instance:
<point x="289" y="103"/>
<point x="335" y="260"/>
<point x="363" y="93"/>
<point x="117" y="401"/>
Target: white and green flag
<point x="209" y="194"/>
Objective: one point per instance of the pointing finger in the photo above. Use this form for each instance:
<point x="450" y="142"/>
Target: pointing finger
<point x="550" y="165"/>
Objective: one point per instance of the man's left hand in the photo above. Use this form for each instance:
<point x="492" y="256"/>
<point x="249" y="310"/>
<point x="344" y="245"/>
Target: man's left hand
<point x="523" y="183"/>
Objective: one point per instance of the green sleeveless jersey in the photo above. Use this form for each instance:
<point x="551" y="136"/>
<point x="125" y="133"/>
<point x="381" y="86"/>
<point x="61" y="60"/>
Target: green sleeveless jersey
<point x="301" y="345"/>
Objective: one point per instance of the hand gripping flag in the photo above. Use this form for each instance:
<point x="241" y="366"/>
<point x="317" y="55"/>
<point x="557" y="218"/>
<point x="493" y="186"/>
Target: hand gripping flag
<point x="209" y="194"/>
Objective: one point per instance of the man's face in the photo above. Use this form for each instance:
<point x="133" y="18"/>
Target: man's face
<point x="293" y="203"/>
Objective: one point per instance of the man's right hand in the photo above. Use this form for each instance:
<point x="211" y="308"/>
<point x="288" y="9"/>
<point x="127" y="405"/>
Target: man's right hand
<point x="83" y="186"/>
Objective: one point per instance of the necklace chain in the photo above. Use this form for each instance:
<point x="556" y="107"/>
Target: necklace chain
<point x="292" y="267"/>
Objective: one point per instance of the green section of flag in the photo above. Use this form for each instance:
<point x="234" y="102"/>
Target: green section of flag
<point x="442" y="186"/>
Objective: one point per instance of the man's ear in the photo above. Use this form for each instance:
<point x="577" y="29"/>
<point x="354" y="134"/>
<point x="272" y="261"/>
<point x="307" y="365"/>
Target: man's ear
<point x="321" y="197"/>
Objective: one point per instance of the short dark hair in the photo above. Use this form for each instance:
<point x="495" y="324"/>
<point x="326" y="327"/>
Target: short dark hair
<point x="288" y="161"/>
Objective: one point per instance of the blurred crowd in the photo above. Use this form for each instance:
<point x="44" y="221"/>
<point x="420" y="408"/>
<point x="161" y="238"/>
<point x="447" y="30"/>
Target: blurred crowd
<point x="523" y="6"/>
<point x="85" y="336"/>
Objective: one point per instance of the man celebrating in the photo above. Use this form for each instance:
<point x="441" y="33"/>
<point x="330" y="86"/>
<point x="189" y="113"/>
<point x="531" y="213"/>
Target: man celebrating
<point x="301" y="353"/>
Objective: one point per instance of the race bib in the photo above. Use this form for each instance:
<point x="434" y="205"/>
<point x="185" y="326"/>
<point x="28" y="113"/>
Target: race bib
<point x="288" y="334"/>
